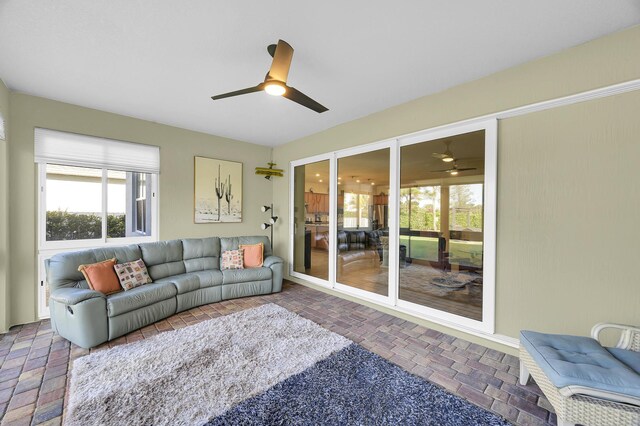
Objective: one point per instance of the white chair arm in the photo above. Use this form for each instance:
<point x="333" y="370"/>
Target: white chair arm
<point x="629" y="339"/>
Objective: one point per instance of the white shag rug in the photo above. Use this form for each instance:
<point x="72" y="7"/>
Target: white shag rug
<point x="187" y="376"/>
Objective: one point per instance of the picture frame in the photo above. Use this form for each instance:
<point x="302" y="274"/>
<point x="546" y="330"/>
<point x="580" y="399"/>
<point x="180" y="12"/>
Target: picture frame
<point x="217" y="191"/>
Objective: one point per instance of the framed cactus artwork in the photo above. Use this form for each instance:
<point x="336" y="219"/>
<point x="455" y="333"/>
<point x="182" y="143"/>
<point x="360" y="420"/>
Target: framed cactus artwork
<point x="217" y="191"/>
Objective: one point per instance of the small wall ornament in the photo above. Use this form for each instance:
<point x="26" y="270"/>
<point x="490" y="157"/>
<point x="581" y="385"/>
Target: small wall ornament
<point x="269" y="171"/>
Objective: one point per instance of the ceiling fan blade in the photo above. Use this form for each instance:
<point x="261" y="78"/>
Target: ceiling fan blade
<point x="442" y="171"/>
<point x="257" y="88"/>
<point x="438" y="155"/>
<point x="468" y="168"/>
<point x="299" y="97"/>
<point x="281" y="62"/>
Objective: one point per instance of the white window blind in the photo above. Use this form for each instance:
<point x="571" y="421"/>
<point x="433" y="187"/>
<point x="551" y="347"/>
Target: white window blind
<point x="70" y="149"/>
<point x="2" y="135"/>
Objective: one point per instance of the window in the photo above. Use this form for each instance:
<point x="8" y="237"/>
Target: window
<point x="356" y="210"/>
<point x="74" y="204"/>
<point x="140" y="182"/>
<point x="93" y="192"/>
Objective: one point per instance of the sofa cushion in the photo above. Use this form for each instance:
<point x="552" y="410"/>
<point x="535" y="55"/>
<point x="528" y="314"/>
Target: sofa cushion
<point x="139" y="297"/>
<point x="201" y="247"/>
<point x="233" y="276"/>
<point x="343" y="241"/>
<point x="353" y="256"/>
<point x="201" y="253"/>
<point x="233" y="243"/>
<point x="62" y="270"/>
<point x="232" y="259"/>
<point x="357" y="240"/>
<point x="132" y="274"/>
<point x="192" y="281"/>
<point x="184" y="282"/>
<point x="101" y="276"/>
<point x="209" y="278"/>
<point x="252" y="255"/>
<point x="163" y="258"/>
<point x="576" y="362"/>
<point x="629" y="358"/>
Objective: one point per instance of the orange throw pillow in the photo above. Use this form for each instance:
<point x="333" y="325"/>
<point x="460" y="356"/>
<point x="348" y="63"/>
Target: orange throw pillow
<point x="101" y="276"/>
<point x="252" y="255"/>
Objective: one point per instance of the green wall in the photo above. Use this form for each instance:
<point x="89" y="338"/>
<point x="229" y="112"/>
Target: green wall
<point x="177" y="149"/>
<point x="4" y="214"/>
<point x="567" y="231"/>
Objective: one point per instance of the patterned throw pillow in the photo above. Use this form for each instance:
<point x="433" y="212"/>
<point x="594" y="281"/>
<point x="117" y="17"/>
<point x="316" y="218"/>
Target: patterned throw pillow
<point x="132" y="274"/>
<point x="233" y="259"/>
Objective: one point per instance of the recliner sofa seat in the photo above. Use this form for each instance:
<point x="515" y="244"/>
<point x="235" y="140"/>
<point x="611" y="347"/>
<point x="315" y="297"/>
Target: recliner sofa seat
<point x="186" y="273"/>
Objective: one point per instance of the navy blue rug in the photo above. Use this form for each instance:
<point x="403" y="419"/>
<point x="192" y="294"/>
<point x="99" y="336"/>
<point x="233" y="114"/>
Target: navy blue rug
<point x="356" y="387"/>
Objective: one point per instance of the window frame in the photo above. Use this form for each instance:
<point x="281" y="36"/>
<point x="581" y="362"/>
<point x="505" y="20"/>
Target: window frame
<point x="43" y="244"/>
<point x="147" y="190"/>
<point x="359" y="211"/>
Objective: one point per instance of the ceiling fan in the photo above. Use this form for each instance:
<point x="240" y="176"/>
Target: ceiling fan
<point x="446" y="156"/>
<point x="275" y="82"/>
<point x="455" y="170"/>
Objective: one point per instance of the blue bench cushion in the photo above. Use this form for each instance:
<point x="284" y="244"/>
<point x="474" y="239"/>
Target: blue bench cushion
<point x="630" y="358"/>
<point x="139" y="297"/>
<point x="576" y="361"/>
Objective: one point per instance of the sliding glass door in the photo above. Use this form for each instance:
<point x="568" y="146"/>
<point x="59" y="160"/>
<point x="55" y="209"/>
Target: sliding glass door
<point x="311" y="201"/>
<point x="362" y="231"/>
<point x="408" y="223"/>
<point x="441" y="224"/>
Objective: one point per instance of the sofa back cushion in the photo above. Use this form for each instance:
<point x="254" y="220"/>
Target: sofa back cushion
<point x="62" y="268"/>
<point x="357" y="240"/>
<point x="343" y="241"/>
<point x="163" y="258"/>
<point x="201" y="253"/>
<point x="233" y="243"/>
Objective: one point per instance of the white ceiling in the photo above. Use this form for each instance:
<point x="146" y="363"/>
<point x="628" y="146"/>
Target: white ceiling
<point x="161" y="60"/>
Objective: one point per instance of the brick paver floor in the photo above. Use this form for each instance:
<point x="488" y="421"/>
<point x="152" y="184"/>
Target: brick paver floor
<point x="35" y="361"/>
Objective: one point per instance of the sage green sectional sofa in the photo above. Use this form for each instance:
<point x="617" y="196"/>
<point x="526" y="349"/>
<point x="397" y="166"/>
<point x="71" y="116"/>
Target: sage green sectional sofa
<point x="186" y="273"/>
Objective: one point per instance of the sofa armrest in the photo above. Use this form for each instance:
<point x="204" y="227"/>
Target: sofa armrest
<point x="276" y="265"/>
<point x="271" y="260"/>
<point x="73" y="296"/>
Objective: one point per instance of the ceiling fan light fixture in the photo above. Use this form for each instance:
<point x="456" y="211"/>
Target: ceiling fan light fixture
<point x="275" y="88"/>
<point x="453" y="172"/>
<point x="448" y="159"/>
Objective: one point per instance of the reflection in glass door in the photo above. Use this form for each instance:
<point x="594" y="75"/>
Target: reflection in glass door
<point x="441" y="224"/>
<point x="311" y="219"/>
<point x="362" y="236"/>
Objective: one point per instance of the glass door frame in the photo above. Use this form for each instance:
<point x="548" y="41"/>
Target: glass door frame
<point x="487" y="325"/>
<point x="391" y="145"/>
<point x="332" y="220"/>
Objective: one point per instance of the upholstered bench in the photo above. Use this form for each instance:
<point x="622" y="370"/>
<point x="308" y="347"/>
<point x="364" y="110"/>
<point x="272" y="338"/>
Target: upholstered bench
<point x="585" y="382"/>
